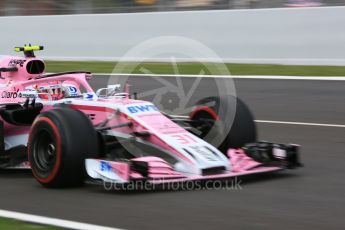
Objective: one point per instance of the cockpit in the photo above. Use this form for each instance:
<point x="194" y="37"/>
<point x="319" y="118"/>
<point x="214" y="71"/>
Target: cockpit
<point x="57" y="90"/>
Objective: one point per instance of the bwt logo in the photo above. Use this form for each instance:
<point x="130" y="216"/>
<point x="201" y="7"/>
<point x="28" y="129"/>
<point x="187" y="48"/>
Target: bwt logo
<point x="142" y="108"/>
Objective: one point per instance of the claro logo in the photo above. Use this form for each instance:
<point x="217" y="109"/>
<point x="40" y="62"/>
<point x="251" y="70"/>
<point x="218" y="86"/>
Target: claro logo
<point x="10" y="94"/>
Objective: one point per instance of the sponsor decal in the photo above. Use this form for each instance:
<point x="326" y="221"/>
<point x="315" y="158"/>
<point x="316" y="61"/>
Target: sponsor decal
<point x="27" y="94"/>
<point x="120" y="169"/>
<point x="88" y="96"/>
<point x="10" y="94"/>
<point x="72" y="90"/>
<point x="203" y="151"/>
<point x="142" y="108"/>
<point x="184" y="139"/>
<point x="105" y="166"/>
<point x="15" y="62"/>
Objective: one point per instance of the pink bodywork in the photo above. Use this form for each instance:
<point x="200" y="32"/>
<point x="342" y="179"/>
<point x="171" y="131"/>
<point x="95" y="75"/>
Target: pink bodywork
<point x="159" y="169"/>
<point x="17" y="81"/>
<point x="161" y="172"/>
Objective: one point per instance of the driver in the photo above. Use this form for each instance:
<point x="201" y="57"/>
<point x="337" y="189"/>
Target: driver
<point x="50" y="92"/>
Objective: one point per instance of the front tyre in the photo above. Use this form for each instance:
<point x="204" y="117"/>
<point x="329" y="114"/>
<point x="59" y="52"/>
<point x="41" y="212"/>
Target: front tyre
<point x="227" y="118"/>
<point x="59" y="142"/>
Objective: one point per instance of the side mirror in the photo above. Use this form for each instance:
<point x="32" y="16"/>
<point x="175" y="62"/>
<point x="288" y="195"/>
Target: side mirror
<point x="108" y="91"/>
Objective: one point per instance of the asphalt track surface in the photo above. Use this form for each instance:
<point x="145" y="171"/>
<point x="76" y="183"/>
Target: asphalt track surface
<point x="309" y="198"/>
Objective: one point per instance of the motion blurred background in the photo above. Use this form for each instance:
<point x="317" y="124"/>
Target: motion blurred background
<point x="308" y="41"/>
<point x="310" y="32"/>
<point x="52" y="7"/>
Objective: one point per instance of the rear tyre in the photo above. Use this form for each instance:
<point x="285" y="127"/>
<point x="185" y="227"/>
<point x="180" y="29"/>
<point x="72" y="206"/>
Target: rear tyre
<point x="226" y="122"/>
<point x="59" y="142"/>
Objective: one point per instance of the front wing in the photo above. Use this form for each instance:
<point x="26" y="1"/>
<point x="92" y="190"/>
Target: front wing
<point x="155" y="170"/>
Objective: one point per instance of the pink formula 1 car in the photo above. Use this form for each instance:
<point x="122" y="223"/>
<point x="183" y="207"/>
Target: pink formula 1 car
<point x="65" y="132"/>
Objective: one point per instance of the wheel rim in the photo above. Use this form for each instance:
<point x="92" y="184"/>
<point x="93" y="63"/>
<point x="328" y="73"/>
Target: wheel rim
<point x="44" y="152"/>
<point x="206" y="122"/>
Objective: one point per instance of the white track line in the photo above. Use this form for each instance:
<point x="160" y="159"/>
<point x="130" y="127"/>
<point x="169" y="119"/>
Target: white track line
<point x="284" y="122"/>
<point x="83" y="226"/>
<point x="317" y="78"/>
<point x="51" y="221"/>
<point x="300" y="123"/>
<point x="314" y="78"/>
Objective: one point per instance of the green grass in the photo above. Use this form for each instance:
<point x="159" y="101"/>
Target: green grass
<point x="10" y="224"/>
<point x="195" y="68"/>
